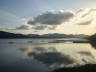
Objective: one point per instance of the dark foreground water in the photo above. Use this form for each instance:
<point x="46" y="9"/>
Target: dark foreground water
<point x="41" y="55"/>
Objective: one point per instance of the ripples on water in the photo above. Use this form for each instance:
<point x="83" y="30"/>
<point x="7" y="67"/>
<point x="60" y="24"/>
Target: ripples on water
<point x="38" y="55"/>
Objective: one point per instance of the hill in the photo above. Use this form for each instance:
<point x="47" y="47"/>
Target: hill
<point x="56" y="35"/>
<point x="11" y="35"/>
<point x="53" y="35"/>
<point x="92" y="38"/>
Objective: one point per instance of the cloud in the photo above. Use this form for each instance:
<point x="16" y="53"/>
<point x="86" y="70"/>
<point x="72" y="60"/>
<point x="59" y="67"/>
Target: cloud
<point x="44" y="27"/>
<point x="6" y="28"/>
<point x="83" y="17"/>
<point x="85" y="22"/>
<point x="60" y="21"/>
<point x="39" y="27"/>
<point x="48" y="20"/>
<point x="26" y="27"/>
<point x="76" y="21"/>
<point x="36" y="27"/>
<point x="85" y="11"/>
<point x="52" y="17"/>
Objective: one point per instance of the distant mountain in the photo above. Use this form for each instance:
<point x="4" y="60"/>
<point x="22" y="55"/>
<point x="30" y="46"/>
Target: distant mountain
<point x="54" y="35"/>
<point x="80" y="36"/>
<point x="11" y="35"/>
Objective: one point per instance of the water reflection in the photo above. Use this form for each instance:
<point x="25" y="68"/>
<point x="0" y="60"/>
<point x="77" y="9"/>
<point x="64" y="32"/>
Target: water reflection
<point x="10" y="42"/>
<point x="39" y="49"/>
<point x="36" y="57"/>
<point x="23" y="49"/>
<point x="57" y="56"/>
<point x="24" y="65"/>
<point x="87" y="57"/>
<point x="85" y="53"/>
<point x="52" y="58"/>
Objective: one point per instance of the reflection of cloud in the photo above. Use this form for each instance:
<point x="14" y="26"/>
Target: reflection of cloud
<point x="23" y="49"/>
<point x="52" y="49"/>
<point x="39" y="27"/>
<point x="39" y="49"/>
<point x="87" y="57"/>
<point x="85" y="53"/>
<point x="51" y="58"/>
<point x="43" y="49"/>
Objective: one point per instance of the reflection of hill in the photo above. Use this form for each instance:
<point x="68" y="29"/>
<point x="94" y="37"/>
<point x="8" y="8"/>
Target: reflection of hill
<point x="85" y="68"/>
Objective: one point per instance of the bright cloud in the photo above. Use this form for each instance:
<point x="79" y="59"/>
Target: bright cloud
<point x="75" y="21"/>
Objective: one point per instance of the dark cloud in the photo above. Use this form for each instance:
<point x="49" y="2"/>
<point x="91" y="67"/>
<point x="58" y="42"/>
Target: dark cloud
<point x="26" y="27"/>
<point x="31" y="22"/>
<point x="52" y="18"/>
<point x="85" y="22"/>
<point x="43" y="27"/>
<point x="36" y="27"/>
<point x="40" y="27"/>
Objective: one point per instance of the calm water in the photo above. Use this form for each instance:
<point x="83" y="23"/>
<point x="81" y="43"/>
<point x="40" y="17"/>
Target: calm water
<point x="37" y="55"/>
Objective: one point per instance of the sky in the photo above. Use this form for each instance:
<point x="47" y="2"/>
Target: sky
<point x="48" y="16"/>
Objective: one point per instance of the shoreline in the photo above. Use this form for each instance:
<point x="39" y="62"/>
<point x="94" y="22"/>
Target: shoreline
<point x="84" y="68"/>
